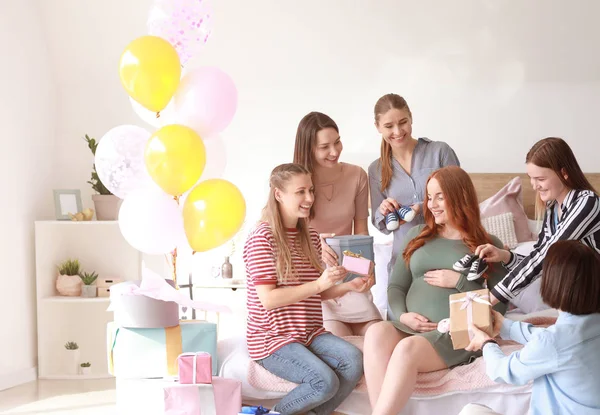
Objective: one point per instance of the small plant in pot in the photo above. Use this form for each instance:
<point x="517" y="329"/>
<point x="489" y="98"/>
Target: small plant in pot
<point x="105" y="203"/>
<point x="71" y="358"/>
<point x="68" y="281"/>
<point x="88" y="279"/>
<point x="85" y="368"/>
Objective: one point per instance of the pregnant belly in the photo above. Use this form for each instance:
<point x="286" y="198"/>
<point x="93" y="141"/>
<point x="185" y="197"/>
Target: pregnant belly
<point x="429" y="301"/>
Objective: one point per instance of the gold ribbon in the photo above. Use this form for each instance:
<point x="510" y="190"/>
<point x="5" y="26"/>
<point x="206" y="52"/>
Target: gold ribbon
<point x="174" y="348"/>
<point x="352" y="254"/>
<point x="173" y="345"/>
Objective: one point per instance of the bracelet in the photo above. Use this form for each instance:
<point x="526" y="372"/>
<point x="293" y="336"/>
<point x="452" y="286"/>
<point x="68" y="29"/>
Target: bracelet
<point x="488" y="341"/>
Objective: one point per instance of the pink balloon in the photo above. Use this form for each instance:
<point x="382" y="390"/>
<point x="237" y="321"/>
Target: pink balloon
<point x="151" y="221"/>
<point x="205" y="101"/>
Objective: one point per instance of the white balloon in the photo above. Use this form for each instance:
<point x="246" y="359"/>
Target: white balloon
<point x="151" y="221"/>
<point x="120" y="161"/>
<point x="149" y="117"/>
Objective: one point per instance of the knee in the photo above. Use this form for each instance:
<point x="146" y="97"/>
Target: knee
<point x="409" y="349"/>
<point x="353" y="365"/>
<point x="325" y="383"/>
<point x="379" y="331"/>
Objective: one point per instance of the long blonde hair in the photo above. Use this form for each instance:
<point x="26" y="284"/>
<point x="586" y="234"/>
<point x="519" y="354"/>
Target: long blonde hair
<point x="280" y="177"/>
<point x="383" y="105"/>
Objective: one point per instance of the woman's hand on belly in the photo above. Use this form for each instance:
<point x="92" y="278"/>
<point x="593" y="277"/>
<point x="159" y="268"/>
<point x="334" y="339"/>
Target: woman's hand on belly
<point x="417" y="322"/>
<point x="444" y="278"/>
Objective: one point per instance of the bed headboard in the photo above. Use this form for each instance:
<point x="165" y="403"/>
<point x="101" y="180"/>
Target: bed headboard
<point x="487" y="184"/>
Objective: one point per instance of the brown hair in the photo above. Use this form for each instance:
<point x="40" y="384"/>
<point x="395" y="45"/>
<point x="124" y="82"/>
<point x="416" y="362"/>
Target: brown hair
<point x="271" y="214"/>
<point x="306" y="137"/>
<point x="462" y="208"/>
<point x="571" y="278"/>
<point x="383" y="105"/>
<point x="554" y="153"/>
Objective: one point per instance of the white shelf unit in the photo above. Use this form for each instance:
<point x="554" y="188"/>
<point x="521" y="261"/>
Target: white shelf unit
<point x="100" y="247"/>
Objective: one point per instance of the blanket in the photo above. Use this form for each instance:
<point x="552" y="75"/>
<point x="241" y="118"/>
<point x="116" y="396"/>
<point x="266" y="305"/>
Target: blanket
<point x="465" y="378"/>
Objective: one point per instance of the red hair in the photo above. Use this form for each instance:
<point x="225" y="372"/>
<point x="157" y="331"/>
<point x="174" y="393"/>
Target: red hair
<point x="462" y="209"/>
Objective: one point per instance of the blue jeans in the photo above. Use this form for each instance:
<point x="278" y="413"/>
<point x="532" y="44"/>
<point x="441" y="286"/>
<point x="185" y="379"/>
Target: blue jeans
<point x="326" y="373"/>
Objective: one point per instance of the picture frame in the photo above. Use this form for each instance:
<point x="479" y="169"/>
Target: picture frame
<point x="67" y="201"/>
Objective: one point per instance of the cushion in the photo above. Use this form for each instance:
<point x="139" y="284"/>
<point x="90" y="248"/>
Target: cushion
<point x="503" y="227"/>
<point x="509" y="199"/>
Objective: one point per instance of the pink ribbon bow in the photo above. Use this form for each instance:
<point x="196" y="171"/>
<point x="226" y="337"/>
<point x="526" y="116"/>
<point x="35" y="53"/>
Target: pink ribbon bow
<point x="467" y="301"/>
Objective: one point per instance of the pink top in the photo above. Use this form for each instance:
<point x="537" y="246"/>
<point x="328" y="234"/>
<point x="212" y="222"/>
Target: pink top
<point x="340" y="201"/>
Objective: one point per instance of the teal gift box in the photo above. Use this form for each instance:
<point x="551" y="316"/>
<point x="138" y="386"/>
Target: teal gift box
<point x="152" y="353"/>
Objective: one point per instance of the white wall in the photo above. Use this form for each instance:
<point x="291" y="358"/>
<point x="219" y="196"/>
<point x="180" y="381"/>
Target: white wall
<point x="27" y="136"/>
<point x="490" y="77"/>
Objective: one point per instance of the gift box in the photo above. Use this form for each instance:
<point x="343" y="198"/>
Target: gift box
<point x="256" y="410"/>
<point x="466" y="308"/>
<point x="361" y="245"/>
<point x="152" y="302"/>
<point x="194" y="368"/>
<point x="163" y="397"/>
<point x="152" y="353"/>
<point x="357" y="264"/>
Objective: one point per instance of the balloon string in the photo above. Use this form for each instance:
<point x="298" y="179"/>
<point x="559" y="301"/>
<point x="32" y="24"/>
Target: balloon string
<point x="174" y="254"/>
<point x="157" y="114"/>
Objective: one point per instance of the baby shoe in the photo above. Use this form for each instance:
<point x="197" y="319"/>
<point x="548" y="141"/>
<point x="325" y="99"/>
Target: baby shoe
<point x="391" y="221"/>
<point x="478" y="267"/>
<point x="464" y="264"/>
<point x="406" y="214"/>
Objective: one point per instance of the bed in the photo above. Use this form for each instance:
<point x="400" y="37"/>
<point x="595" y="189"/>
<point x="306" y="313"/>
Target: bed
<point x="502" y="196"/>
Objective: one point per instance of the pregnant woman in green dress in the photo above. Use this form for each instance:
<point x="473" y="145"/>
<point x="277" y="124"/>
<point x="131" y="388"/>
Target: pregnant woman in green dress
<point x="396" y="351"/>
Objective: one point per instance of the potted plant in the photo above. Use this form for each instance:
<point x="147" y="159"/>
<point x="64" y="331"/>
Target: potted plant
<point x="88" y="290"/>
<point x="106" y="204"/>
<point x="72" y="357"/>
<point x="68" y="281"/>
<point x="85" y="368"/>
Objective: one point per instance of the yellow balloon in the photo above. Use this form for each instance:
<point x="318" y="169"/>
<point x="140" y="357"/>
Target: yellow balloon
<point x="175" y="158"/>
<point x="213" y="213"/>
<point x="150" y="71"/>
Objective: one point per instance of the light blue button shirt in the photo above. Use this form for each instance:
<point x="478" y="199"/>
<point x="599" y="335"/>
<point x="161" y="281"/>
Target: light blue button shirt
<point x="563" y="361"/>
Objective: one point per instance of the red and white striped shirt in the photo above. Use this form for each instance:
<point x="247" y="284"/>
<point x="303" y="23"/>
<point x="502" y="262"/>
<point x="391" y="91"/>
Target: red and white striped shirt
<point x="269" y="330"/>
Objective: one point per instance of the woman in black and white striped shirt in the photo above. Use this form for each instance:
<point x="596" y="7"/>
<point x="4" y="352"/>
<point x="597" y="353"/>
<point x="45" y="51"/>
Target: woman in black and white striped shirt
<point x="572" y="212"/>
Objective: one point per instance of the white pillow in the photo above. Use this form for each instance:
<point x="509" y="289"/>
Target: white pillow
<point x="503" y="227"/>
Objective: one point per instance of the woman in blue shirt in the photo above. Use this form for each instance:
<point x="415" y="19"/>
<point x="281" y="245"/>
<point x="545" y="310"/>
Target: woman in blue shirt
<point x="562" y="360"/>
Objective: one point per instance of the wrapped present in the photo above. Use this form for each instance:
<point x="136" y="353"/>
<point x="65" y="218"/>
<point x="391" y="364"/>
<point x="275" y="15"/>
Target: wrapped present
<point x="194" y="368"/>
<point x="472" y="307"/>
<point x="152" y="353"/>
<point x="152" y="302"/>
<point x="357" y="264"/>
<point x="357" y="244"/>
<point x="163" y="397"/>
<point x="256" y="410"/>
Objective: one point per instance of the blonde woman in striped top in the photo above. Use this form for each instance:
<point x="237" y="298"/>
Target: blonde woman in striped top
<point x="286" y="285"/>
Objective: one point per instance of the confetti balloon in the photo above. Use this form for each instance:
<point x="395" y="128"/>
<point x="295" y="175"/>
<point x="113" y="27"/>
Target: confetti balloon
<point x="186" y="24"/>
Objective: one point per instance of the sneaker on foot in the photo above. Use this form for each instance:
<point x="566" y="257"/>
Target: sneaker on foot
<point x="478" y="267"/>
<point x="464" y="264"/>
<point x="406" y="213"/>
<point x="391" y="221"/>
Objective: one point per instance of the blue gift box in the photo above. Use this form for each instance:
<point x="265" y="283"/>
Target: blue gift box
<point x="152" y="353"/>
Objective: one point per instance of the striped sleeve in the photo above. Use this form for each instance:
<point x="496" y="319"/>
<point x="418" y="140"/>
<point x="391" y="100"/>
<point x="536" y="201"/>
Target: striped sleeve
<point x="260" y="259"/>
<point x="316" y="241"/>
<point x="582" y="220"/>
<point x="515" y="258"/>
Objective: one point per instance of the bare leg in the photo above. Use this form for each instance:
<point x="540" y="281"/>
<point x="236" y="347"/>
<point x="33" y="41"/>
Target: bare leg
<point x="360" y="329"/>
<point x="338" y="328"/>
<point x="380" y="342"/>
<point x="411" y="356"/>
